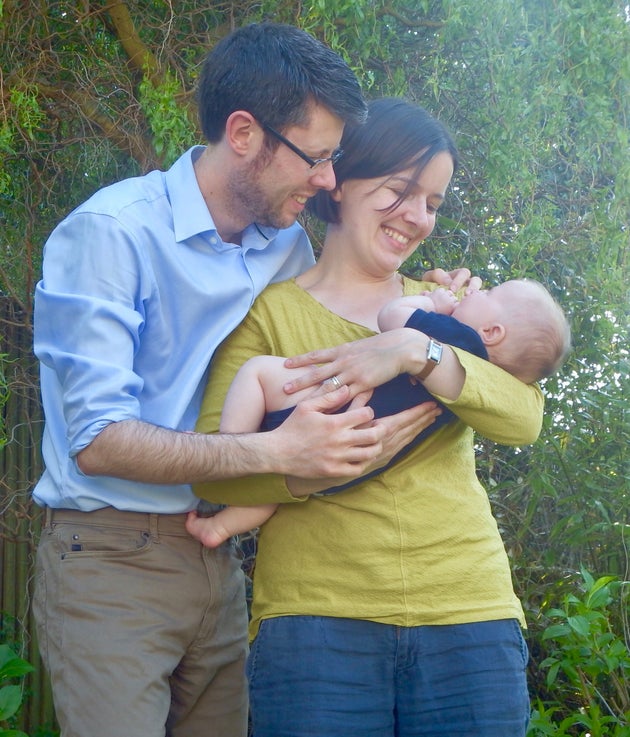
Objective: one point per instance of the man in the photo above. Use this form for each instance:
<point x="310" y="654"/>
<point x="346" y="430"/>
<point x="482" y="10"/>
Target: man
<point x="144" y="631"/>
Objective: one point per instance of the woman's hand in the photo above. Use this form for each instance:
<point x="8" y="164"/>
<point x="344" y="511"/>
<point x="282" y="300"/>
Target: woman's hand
<point x="402" y="428"/>
<point x="399" y="430"/>
<point x="453" y="280"/>
<point x="362" y="364"/>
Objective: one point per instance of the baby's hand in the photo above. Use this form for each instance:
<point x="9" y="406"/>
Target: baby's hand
<point x="444" y="300"/>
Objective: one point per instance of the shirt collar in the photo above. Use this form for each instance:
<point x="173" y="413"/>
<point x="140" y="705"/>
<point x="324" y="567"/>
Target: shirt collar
<point x="190" y="212"/>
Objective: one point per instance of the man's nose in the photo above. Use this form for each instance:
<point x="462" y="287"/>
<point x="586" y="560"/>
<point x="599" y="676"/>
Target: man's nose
<point x="323" y="176"/>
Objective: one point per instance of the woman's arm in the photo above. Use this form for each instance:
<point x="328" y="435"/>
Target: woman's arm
<point x="493" y="402"/>
<point x="490" y="400"/>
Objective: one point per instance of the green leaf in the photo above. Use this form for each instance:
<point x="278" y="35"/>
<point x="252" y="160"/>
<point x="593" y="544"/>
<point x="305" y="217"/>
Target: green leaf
<point x="11" y="665"/>
<point x="10" y="700"/>
<point x="552" y="674"/>
<point x="579" y="624"/>
<point x="556" y="630"/>
<point x="598" y="593"/>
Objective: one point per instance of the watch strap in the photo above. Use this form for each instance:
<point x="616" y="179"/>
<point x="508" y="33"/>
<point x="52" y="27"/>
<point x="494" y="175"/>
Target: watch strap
<point x="434" y="356"/>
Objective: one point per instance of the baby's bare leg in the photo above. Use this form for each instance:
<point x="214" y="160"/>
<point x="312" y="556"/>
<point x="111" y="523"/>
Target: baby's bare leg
<point x="212" y="531"/>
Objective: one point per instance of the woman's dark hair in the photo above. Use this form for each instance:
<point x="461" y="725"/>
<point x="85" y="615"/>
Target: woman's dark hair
<point x="397" y="135"/>
<point x="274" y="71"/>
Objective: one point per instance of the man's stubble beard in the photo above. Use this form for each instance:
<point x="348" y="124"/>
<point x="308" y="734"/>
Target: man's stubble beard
<point x="249" y="196"/>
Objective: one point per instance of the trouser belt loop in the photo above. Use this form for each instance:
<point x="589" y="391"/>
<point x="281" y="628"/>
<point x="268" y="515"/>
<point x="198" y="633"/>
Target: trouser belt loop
<point x="154" y="527"/>
<point x="48" y="517"/>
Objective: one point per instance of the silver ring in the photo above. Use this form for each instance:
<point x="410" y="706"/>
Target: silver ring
<point x="336" y="382"/>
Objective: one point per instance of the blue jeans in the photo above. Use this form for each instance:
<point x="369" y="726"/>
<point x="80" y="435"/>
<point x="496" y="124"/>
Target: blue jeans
<point x="330" y="677"/>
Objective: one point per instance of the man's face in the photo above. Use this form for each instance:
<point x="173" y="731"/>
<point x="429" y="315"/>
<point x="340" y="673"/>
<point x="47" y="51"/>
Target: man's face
<point x="275" y="186"/>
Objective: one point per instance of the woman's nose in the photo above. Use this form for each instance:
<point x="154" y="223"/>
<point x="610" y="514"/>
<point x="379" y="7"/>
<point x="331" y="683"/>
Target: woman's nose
<point x="416" y="213"/>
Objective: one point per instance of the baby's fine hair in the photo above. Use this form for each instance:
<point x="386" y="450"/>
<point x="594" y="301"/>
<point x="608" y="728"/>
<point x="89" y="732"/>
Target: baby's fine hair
<point x="539" y="332"/>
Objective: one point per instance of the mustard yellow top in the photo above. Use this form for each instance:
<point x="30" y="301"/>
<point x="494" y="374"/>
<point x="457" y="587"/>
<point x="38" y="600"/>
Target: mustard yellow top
<point x="415" y="545"/>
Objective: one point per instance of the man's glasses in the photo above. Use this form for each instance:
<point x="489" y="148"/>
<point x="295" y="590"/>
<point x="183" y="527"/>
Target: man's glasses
<point x="334" y="158"/>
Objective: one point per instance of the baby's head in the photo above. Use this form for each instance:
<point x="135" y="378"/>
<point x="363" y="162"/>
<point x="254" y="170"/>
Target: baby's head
<point x="522" y="326"/>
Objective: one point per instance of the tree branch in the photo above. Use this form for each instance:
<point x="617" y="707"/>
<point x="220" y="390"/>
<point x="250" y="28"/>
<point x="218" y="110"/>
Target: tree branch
<point x="424" y="23"/>
<point x="135" y="145"/>
<point x="140" y="56"/>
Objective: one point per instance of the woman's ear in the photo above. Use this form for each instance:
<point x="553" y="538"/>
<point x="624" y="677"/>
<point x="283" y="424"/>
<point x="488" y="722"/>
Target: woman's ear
<point x="242" y="132"/>
<point x="492" y="334"/>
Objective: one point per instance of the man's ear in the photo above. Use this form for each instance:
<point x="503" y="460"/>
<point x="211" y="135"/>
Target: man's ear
<point x="492" y="334"/>
<point x="242" y="132"/>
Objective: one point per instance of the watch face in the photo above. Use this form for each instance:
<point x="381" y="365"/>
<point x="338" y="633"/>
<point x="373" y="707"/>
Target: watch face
<point x="434" y="352"/>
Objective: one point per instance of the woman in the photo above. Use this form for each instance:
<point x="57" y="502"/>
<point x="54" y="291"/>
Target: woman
<point x="385" y="610"/>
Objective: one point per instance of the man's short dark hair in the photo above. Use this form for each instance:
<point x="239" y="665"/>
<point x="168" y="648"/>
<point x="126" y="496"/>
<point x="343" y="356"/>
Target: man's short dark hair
<point x="274" y="71"/>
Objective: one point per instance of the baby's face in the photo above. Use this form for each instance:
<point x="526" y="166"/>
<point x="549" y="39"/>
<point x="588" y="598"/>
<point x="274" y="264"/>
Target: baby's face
<point x="481" y="308"/>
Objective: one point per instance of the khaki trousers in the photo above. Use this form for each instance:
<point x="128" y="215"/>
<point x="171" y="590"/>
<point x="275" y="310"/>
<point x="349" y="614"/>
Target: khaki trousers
<point x="143" y="630"/>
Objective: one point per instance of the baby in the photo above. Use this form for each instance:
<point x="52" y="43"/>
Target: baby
<point x="520" y="324"/>
<point x="516" y="325"/>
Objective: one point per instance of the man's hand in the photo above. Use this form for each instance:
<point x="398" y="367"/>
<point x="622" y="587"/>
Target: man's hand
<point x="453" y="280"/>
<point x="362" y="364"/>
<point x="313" y="443"/>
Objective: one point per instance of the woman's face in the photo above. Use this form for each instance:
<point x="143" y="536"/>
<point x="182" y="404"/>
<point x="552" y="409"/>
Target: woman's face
<point x="388" y="237"/>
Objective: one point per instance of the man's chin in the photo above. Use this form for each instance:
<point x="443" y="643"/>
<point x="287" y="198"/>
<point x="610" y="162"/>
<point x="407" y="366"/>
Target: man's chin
<point x="279" y="222"/>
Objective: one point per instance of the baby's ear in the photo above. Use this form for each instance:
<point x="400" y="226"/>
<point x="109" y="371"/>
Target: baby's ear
<point x="492" y="334"/>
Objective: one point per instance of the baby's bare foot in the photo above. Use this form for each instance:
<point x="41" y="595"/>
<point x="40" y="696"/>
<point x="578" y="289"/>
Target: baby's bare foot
<point x="208" y="530"/>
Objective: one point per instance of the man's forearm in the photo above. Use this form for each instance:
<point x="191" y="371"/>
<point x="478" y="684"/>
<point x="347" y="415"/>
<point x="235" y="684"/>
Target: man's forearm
<point x="139" y="451"/>
<point x="310" y="443"/>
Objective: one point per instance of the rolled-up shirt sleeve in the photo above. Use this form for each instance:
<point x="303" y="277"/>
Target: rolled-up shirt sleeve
<point x="88" y="322"/>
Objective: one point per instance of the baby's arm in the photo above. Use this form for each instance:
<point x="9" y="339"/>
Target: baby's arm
<point x="396" y="313"/>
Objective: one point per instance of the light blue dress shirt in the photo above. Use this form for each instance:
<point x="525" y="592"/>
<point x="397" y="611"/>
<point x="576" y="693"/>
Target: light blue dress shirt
<point x="138" y="290"/>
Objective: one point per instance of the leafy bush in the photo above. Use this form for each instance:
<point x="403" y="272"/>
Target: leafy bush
<point x="11" y="667"/>
<point x="587" y="663"/>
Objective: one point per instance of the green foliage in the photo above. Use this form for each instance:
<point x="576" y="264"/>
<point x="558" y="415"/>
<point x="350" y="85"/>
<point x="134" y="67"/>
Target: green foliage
<point x="169" y="121"/>
<point x="536" y="95"/>
<point x="539" y="111"/>
<point x="26" y="108"/>
<point x="354" y="30"/>
<point x="587" y="663"/>
<point x="11" y="667"/>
